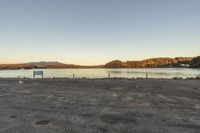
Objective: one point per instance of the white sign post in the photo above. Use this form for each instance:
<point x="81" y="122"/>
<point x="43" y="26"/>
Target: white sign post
<point x="39" y="73"/>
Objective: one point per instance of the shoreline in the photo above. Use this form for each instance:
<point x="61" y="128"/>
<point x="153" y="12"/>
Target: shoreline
<point x="103" y="78"/>
<point x="103" y="68"/>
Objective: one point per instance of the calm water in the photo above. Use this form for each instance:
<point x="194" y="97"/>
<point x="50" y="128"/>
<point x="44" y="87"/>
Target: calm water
<point x="100" y="73"/>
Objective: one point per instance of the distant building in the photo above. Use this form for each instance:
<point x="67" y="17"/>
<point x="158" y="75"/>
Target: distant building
<point x="184" y="65"/>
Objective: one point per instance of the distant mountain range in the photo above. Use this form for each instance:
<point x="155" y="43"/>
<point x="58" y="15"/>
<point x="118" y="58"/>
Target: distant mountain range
<point x="186" y="62"/>
<point x="44" y="63"/>
<point x="50" y="64"/>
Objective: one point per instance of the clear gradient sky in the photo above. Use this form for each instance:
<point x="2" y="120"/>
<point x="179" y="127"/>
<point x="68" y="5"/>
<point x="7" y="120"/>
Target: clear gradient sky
<point x="90" y="32"/>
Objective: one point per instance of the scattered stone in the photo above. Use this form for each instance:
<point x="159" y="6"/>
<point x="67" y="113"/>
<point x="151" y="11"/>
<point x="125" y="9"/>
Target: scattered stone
<point x="42" y="122"/>
<point x="21" y="82"/>
<point x="13" y="116"/>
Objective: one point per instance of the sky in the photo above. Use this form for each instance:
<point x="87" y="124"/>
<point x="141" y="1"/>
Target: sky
<point x="91" y="32"/>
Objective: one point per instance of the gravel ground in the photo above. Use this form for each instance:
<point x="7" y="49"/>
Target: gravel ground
<point x="99" y="106"/>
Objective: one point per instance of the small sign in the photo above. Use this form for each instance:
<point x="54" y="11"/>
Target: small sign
<point x="38" y="73"/>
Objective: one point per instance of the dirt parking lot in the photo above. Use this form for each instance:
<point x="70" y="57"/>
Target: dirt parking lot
<point x="99" y="106"/>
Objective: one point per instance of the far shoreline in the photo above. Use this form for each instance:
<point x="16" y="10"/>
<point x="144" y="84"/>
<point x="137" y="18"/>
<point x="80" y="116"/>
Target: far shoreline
<point x="103" y="78"/>
<point x="106" y="68"/>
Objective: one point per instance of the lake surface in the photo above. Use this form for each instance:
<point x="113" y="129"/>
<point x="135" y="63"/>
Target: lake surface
<point x="102" y="73"/>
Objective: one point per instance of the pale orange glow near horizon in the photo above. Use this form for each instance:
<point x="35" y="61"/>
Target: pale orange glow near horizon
<point x="82" y="61"/>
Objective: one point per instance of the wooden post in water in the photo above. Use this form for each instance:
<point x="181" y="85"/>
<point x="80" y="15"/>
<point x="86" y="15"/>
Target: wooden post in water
<point x="34" y="74"/>
<point x="147" y="76"/>
<point x="73" y="75"/>
<point x="108" y="75"/>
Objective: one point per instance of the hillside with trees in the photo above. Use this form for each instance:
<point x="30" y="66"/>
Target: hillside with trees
<point x="196" y="62"/>
<point x="151" y="63"/>
<point x="186" y="62"/>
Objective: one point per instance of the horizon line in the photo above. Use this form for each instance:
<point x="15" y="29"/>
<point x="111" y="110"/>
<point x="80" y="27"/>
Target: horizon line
<point x="57" y="61"/>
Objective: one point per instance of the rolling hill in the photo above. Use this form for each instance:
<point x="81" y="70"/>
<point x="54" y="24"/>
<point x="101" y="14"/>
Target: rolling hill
<point x="148" y="63"/>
